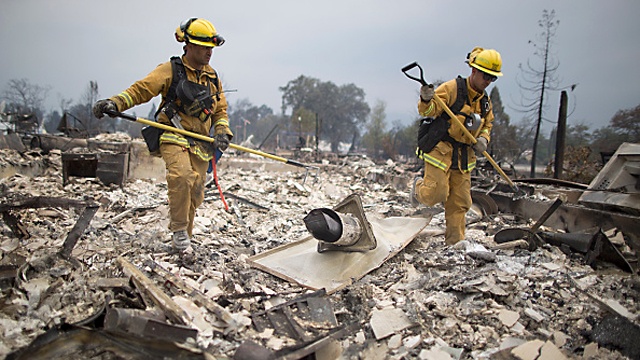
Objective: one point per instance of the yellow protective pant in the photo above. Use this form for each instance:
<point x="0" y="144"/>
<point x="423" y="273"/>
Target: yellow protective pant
<point x="185" y="185"/>
<point x="453" y="188"/>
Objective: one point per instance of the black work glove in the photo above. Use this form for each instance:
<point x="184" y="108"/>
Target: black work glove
<point x="102" y="106"/>
<point x="221" y="141"/>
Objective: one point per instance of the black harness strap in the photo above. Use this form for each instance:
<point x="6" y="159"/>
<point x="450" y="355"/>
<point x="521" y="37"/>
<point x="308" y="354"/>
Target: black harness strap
<point x="462" y="97"/>
<point x="179" y="73"/>
<point x="432" y="131"/>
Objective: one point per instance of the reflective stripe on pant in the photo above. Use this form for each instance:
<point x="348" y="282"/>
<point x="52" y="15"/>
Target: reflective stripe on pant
<point x="185" y="185"/>
<point x="451" y="187"/>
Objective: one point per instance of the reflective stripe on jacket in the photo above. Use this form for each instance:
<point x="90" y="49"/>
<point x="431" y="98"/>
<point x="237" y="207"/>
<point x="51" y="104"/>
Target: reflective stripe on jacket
<point x="158" y="82"/>
<point x="442" y="155"/>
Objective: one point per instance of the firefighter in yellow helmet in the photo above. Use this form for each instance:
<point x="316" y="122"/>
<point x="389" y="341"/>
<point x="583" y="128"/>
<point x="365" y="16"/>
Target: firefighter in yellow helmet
<point x="192" y="99"/>
<point x="449" y="157"/>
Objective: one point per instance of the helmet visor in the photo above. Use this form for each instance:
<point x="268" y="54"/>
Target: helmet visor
<point x="215" y="40"/>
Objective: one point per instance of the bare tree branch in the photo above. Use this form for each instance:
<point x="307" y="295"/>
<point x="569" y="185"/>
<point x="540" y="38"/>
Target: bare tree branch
<point x="538" y="81"/>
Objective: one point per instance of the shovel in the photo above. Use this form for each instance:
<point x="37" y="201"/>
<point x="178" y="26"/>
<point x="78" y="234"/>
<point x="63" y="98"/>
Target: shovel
<point x="518" y="193"/>
<point x="531" y="234"/>
<point x="211" y="140"/>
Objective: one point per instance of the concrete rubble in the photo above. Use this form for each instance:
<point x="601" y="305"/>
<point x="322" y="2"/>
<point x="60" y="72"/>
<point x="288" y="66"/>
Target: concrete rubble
<point x="123" y="293"/>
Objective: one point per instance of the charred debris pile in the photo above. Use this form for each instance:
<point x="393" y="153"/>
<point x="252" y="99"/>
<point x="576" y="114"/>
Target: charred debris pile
<point x="87" y="271"/>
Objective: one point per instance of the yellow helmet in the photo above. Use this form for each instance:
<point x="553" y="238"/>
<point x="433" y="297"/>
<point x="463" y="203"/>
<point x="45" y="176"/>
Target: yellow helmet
<point x="200" y="32"/>
<point x="485" y="60"/>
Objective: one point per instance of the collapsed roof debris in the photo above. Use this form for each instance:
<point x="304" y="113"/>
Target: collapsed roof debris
<point x="308" y="322"/>
<point x="121" y="293"/>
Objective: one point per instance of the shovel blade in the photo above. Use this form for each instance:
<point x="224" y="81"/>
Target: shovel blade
<point x="505" y="235"/>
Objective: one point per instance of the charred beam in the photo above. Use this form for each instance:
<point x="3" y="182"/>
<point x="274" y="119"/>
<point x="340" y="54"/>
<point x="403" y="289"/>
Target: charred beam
<point x="146" y="324"/>
<point x="174" y="312"/>
<point x="77" y="231"/>
<point x="20" y="202"/>
<point x="16" y="226"/>
<point x="197" y="296"/>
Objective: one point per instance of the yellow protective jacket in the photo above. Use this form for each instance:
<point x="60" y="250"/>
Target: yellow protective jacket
<point x="441" y="155"/>
<point x="157" y="82"/>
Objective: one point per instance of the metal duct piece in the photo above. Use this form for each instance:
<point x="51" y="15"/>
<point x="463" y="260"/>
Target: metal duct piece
<point x="343" y="228"/>
<point x="332" y="227"/>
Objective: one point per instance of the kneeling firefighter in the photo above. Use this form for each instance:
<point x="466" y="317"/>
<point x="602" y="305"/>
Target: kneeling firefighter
<point x="449" y="157"/>
<point x="192" y="99"/>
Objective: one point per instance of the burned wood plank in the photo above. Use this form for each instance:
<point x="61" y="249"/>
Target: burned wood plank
<point x="198" y="297"/>
<point x="15" y="202"/>
<point x="149" y="324"/>
<point x="21" y="202"/>
<point x="8" y="275"/>
<point x="16" y="226"/>
<point x="174" y="312"/>
<point x="77" y="231"/>
<point x="608" y="305"/>
<point x="79" y="342"/>
<point x="108" y="283"/>
<point x="130" y="212"/>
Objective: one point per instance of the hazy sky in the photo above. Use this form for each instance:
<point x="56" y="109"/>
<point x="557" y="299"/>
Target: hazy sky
<point x="66" y="43"/>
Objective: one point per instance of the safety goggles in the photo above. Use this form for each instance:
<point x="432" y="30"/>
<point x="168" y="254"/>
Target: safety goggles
<point x="489" y="77"/>
<point x="216" y="40"/>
